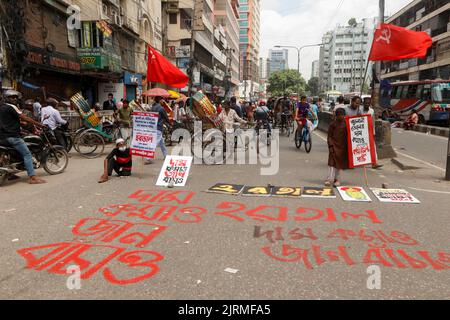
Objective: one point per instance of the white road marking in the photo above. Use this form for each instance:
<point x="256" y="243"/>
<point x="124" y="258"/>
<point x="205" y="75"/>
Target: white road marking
<point x="431" y="191"/>
<point x="318" y="135"/>
<point x="420" y="161"/>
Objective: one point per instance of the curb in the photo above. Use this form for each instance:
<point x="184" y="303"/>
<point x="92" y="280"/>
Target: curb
<point x="443" y="132"/>
<point x="404" y="164"/>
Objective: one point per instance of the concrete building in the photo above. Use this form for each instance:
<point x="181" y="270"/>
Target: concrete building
<point x="103" y="51"/>
<point x="226" y="14"/>
<point x="249" y="31"/>
<point x="315" y="69"/>
<point x="264" y="68"/>
<point x="343" y="58"/>
<point x="198" y="45"/>
<point x="432" y="17"/>
<point x="279" y="60"/>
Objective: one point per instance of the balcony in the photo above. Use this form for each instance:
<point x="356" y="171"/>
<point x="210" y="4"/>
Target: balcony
<point x="99" y="59"/>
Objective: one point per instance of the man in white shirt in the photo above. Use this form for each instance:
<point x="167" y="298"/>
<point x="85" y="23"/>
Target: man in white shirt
<point x="37" y="108"/>
<point x="354" y="109"/>
<point x="51" y="118"/>
<point x="229" y="117"/>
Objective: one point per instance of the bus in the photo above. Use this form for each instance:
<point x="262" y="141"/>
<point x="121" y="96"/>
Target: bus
<point x="431" y="99"/>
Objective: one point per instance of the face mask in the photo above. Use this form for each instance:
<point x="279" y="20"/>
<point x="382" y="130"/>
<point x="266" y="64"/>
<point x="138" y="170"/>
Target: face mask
<point x="122" y="149"/>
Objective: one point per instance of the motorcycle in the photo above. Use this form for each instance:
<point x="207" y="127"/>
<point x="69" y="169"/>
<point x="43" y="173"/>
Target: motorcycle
<point x="52" y="158"/>
<point x="66" y="135"/>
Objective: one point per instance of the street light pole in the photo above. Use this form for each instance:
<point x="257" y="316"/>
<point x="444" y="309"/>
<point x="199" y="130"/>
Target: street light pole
<point x="299" y="50"/>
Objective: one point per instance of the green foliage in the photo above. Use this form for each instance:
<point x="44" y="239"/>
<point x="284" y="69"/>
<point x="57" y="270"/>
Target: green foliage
<point x="352" y="22"/>
<point x="313" y="86"/>
<point x="286" y="81"/>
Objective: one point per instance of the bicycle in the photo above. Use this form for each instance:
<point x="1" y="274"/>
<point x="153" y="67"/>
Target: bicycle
<point x="303" y="136"/>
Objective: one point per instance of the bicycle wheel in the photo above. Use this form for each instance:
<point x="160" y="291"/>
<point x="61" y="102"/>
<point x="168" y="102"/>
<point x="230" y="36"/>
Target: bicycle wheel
<point x="288" y="128"/>
<point x="91" y="145"/>
<point x="308" y="141"/>
<point x="298" y="139"/>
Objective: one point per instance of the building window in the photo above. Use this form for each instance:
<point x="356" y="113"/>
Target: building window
<point x="173" y="18"/>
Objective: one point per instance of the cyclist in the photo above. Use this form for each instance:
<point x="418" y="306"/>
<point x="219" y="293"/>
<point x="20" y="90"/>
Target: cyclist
<point x="286" y="111"/>
<point x="302" y="113"/>
<point x="262" y="115"/>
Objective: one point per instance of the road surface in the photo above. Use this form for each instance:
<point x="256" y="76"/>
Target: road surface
<point x="211" y="246"/>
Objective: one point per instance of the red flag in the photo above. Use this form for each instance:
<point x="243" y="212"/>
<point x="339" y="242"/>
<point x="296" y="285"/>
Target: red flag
<point x="162" y="71"/>
<point x="395" y="43"/>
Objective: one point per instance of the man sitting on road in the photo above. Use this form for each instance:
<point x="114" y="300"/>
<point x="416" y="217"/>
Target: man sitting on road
<point x="412" y="120"/>
<point x="119" y="160"/>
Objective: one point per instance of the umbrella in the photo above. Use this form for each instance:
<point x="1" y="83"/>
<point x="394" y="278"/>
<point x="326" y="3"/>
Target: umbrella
<point x="182" y="98"/>
<point x="157" y="92"/>
<point x="174" y="94"/>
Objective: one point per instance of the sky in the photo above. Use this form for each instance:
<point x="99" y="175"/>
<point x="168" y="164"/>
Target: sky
<point x="303" y="22"/>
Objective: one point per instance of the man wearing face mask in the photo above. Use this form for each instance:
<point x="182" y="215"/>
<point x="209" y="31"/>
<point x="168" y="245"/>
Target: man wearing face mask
<point x="119" y="160"/>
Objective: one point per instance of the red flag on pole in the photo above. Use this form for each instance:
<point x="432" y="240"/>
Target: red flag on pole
<point x="395" y="43"/>
<point x="162" y="71"/>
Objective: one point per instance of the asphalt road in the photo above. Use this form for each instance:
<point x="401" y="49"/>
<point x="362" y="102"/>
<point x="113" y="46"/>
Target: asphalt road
<point x="318" y="248"/>
<point x="426" y="147"/>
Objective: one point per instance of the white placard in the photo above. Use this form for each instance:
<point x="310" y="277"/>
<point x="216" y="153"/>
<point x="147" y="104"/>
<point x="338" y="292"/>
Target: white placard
<point x="175" y="171"/>
<point x="354" y="194"/>
<point x="394" y="196"/>
<point x="145" y="134"/>
<point x="361" y="141"/>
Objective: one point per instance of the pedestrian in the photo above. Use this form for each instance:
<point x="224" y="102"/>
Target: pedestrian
<point x="51" y="118"/>
<point x="124" y="116"/>
<point x="237" y="108"/>
<point x="37" y="108"/>
<point x="314" y="109"/>
<point x="110" y="104"/>
<point x="162" y="118"/>
<point x="340" y="103"/>
<point x="337" y="148"/>
<point x="28" y="111"/>
<point x="250" y="112"/>
<point x="119" y="160"/>
<point x="10" y="118"/>
<point x="354" y="109"/>
<point x="368" y="110"/>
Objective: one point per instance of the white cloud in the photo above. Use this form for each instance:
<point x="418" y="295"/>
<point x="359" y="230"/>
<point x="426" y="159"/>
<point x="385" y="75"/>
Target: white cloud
<point x="303" y="22"/>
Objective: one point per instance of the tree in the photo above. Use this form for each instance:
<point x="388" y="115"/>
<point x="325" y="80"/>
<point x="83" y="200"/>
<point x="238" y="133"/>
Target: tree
<point x="286" y="81"/>
<point x="352" y="22"/>
<point x="313" y="86"/>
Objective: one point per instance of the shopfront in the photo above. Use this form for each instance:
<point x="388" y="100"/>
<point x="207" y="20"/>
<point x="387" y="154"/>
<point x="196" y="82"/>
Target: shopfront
<point x="133" y="85"/>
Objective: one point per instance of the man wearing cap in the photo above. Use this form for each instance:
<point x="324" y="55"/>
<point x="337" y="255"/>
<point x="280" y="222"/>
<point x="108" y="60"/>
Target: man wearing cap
<point x="119" y="160"/>
<point x="10" y="119"/>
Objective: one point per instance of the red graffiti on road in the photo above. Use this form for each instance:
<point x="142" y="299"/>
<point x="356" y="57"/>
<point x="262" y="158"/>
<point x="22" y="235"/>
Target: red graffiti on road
<point x="239" y="212"/>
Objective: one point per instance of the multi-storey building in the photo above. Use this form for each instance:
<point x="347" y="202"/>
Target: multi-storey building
<point x="249" y="31"/>
<point x="343" y="57"/>
<point x="226" y="14"/>
<point x="432" y="17"/>
<point x="315" y="69"/>
<point x="101" y="50"/>
<point x="198" y="45"/>
<point x="279" y="60"/>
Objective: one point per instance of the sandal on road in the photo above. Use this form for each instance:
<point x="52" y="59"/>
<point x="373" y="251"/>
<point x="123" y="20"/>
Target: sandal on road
<point x="35" y="180"/>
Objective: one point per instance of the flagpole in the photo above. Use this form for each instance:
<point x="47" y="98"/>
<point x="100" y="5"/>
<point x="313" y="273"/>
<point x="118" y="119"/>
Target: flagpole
<point x="377" y="84"/>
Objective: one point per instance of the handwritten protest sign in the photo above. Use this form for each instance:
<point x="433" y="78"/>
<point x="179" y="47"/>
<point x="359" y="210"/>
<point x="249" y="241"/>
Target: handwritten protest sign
<point x="361" y="144"/>
<point x="394" y="196"/>
<point x="144" y="134"/>
<point x="175" y="171"/>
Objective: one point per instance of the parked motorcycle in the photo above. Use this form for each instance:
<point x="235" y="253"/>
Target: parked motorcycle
<point x="52" y="158"/>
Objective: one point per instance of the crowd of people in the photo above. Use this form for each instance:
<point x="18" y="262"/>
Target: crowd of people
<point x="38" y="114"/>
